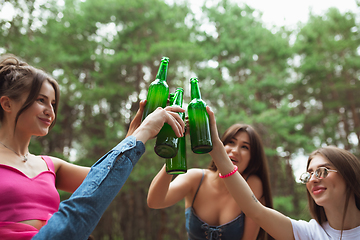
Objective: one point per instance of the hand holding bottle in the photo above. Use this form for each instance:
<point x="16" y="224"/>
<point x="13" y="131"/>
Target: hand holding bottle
<point x="213" y="129"/>
<point x="218" y="153"/>
<point x="167" y="142"/>
<point x="153" y="123"/>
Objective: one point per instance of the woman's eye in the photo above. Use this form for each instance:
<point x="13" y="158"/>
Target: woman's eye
<point x="246" y="147"/>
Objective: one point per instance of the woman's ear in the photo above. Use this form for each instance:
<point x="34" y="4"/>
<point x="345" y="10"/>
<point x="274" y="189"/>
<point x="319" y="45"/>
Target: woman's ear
<point x="5" y="103"/>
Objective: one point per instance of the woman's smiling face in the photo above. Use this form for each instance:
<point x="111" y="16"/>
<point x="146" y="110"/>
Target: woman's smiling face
<point x="36" y="119"/>
<point x="328" y="190"/>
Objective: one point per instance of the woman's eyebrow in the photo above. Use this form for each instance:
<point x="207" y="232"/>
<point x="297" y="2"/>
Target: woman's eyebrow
<point x="47" y="98"/>
<point x="321" y="165"/>
<point x="40" y="94"/>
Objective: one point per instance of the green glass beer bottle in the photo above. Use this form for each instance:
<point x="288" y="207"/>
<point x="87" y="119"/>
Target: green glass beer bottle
<point x="158" y="92"/>
<point x="198" y="121"/>
<point x="167" y="142"/>
<point x="178" y="164"/>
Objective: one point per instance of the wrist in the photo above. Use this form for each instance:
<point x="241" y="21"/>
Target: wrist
<point x="141" y="135"/>
<point x="230" y="173"/>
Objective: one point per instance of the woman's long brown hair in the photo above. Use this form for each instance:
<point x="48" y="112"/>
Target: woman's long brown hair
<point x="258" y="164"/>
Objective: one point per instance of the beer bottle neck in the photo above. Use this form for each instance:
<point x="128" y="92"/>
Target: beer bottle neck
<point x="162" y="73"/>
<point x="178" y="99"/>
<point x="195" y="91"/>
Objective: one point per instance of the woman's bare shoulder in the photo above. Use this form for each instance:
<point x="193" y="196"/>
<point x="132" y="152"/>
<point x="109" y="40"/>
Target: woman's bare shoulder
<point x="193" y="175"/>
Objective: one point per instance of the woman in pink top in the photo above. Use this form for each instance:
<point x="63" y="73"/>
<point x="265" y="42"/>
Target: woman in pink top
<point x="333" y="187"/>
<point x="29" y="102"/>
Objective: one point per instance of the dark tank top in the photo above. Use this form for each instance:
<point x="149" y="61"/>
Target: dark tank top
<point x="197" y="229"/>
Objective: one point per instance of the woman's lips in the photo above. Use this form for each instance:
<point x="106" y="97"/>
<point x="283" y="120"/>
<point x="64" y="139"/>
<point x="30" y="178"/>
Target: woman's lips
<point x="233" y="161"/>
<point x="318" y="190"/>
<point x="46" y="121"/>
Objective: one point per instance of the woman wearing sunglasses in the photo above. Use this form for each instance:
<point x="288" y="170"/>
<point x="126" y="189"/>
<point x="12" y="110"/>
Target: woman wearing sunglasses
<point x="333" y="188"/>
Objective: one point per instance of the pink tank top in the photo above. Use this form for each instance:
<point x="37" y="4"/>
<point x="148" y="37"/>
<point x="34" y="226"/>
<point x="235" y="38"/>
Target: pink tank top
<point x="23" y="198"/>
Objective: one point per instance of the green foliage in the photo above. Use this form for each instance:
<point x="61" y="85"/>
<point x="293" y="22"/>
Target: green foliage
<point x="328" y="79"/>
<point x="104" y="54"/>
<point x="285" y="204"/>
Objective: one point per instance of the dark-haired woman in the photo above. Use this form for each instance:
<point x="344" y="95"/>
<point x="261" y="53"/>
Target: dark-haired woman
<point x="29" y="202"/>
<point x="210" y="210"/>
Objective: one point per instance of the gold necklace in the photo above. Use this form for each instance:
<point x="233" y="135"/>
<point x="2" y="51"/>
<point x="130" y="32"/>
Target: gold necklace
<point x="24" y="158"/>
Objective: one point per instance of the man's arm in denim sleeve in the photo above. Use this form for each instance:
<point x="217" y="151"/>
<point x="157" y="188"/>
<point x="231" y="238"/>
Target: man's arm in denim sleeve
<point x="78" y="216"/>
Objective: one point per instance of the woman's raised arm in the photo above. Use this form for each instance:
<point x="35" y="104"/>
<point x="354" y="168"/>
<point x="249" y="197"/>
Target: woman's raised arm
<point x="272" y="221"/>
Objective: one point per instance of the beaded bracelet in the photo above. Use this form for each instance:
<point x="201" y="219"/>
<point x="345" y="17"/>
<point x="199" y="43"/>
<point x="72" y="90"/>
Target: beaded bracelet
<point x="230" y="173"/>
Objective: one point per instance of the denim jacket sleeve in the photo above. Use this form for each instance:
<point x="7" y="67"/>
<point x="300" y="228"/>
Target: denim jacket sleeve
<point x="78" y="216"/>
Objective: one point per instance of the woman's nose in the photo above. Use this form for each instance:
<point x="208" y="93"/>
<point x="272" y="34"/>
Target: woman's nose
<point x="235" y="149"/>
<point x="49" y="111"/>
<point x="313" y="178"/>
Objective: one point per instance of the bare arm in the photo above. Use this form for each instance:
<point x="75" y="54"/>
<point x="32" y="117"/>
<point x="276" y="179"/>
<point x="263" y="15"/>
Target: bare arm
<point x="251" y="228"/>
<point x="164" y="193"/>
<point x="273" y="222"/>
<point x="69" y="176"/>
<point x="135" y="123"/>
<point x="158" y="190"/>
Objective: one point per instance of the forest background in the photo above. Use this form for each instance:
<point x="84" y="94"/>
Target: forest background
<point x="297" y="87"/>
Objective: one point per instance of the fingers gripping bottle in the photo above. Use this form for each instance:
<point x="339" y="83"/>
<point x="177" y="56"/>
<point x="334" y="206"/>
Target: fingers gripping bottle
<point x="199" y="124"/>
<point x="178" y="164"/>
<point x="158" y="92"/>
<point x="167" y="142"/>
